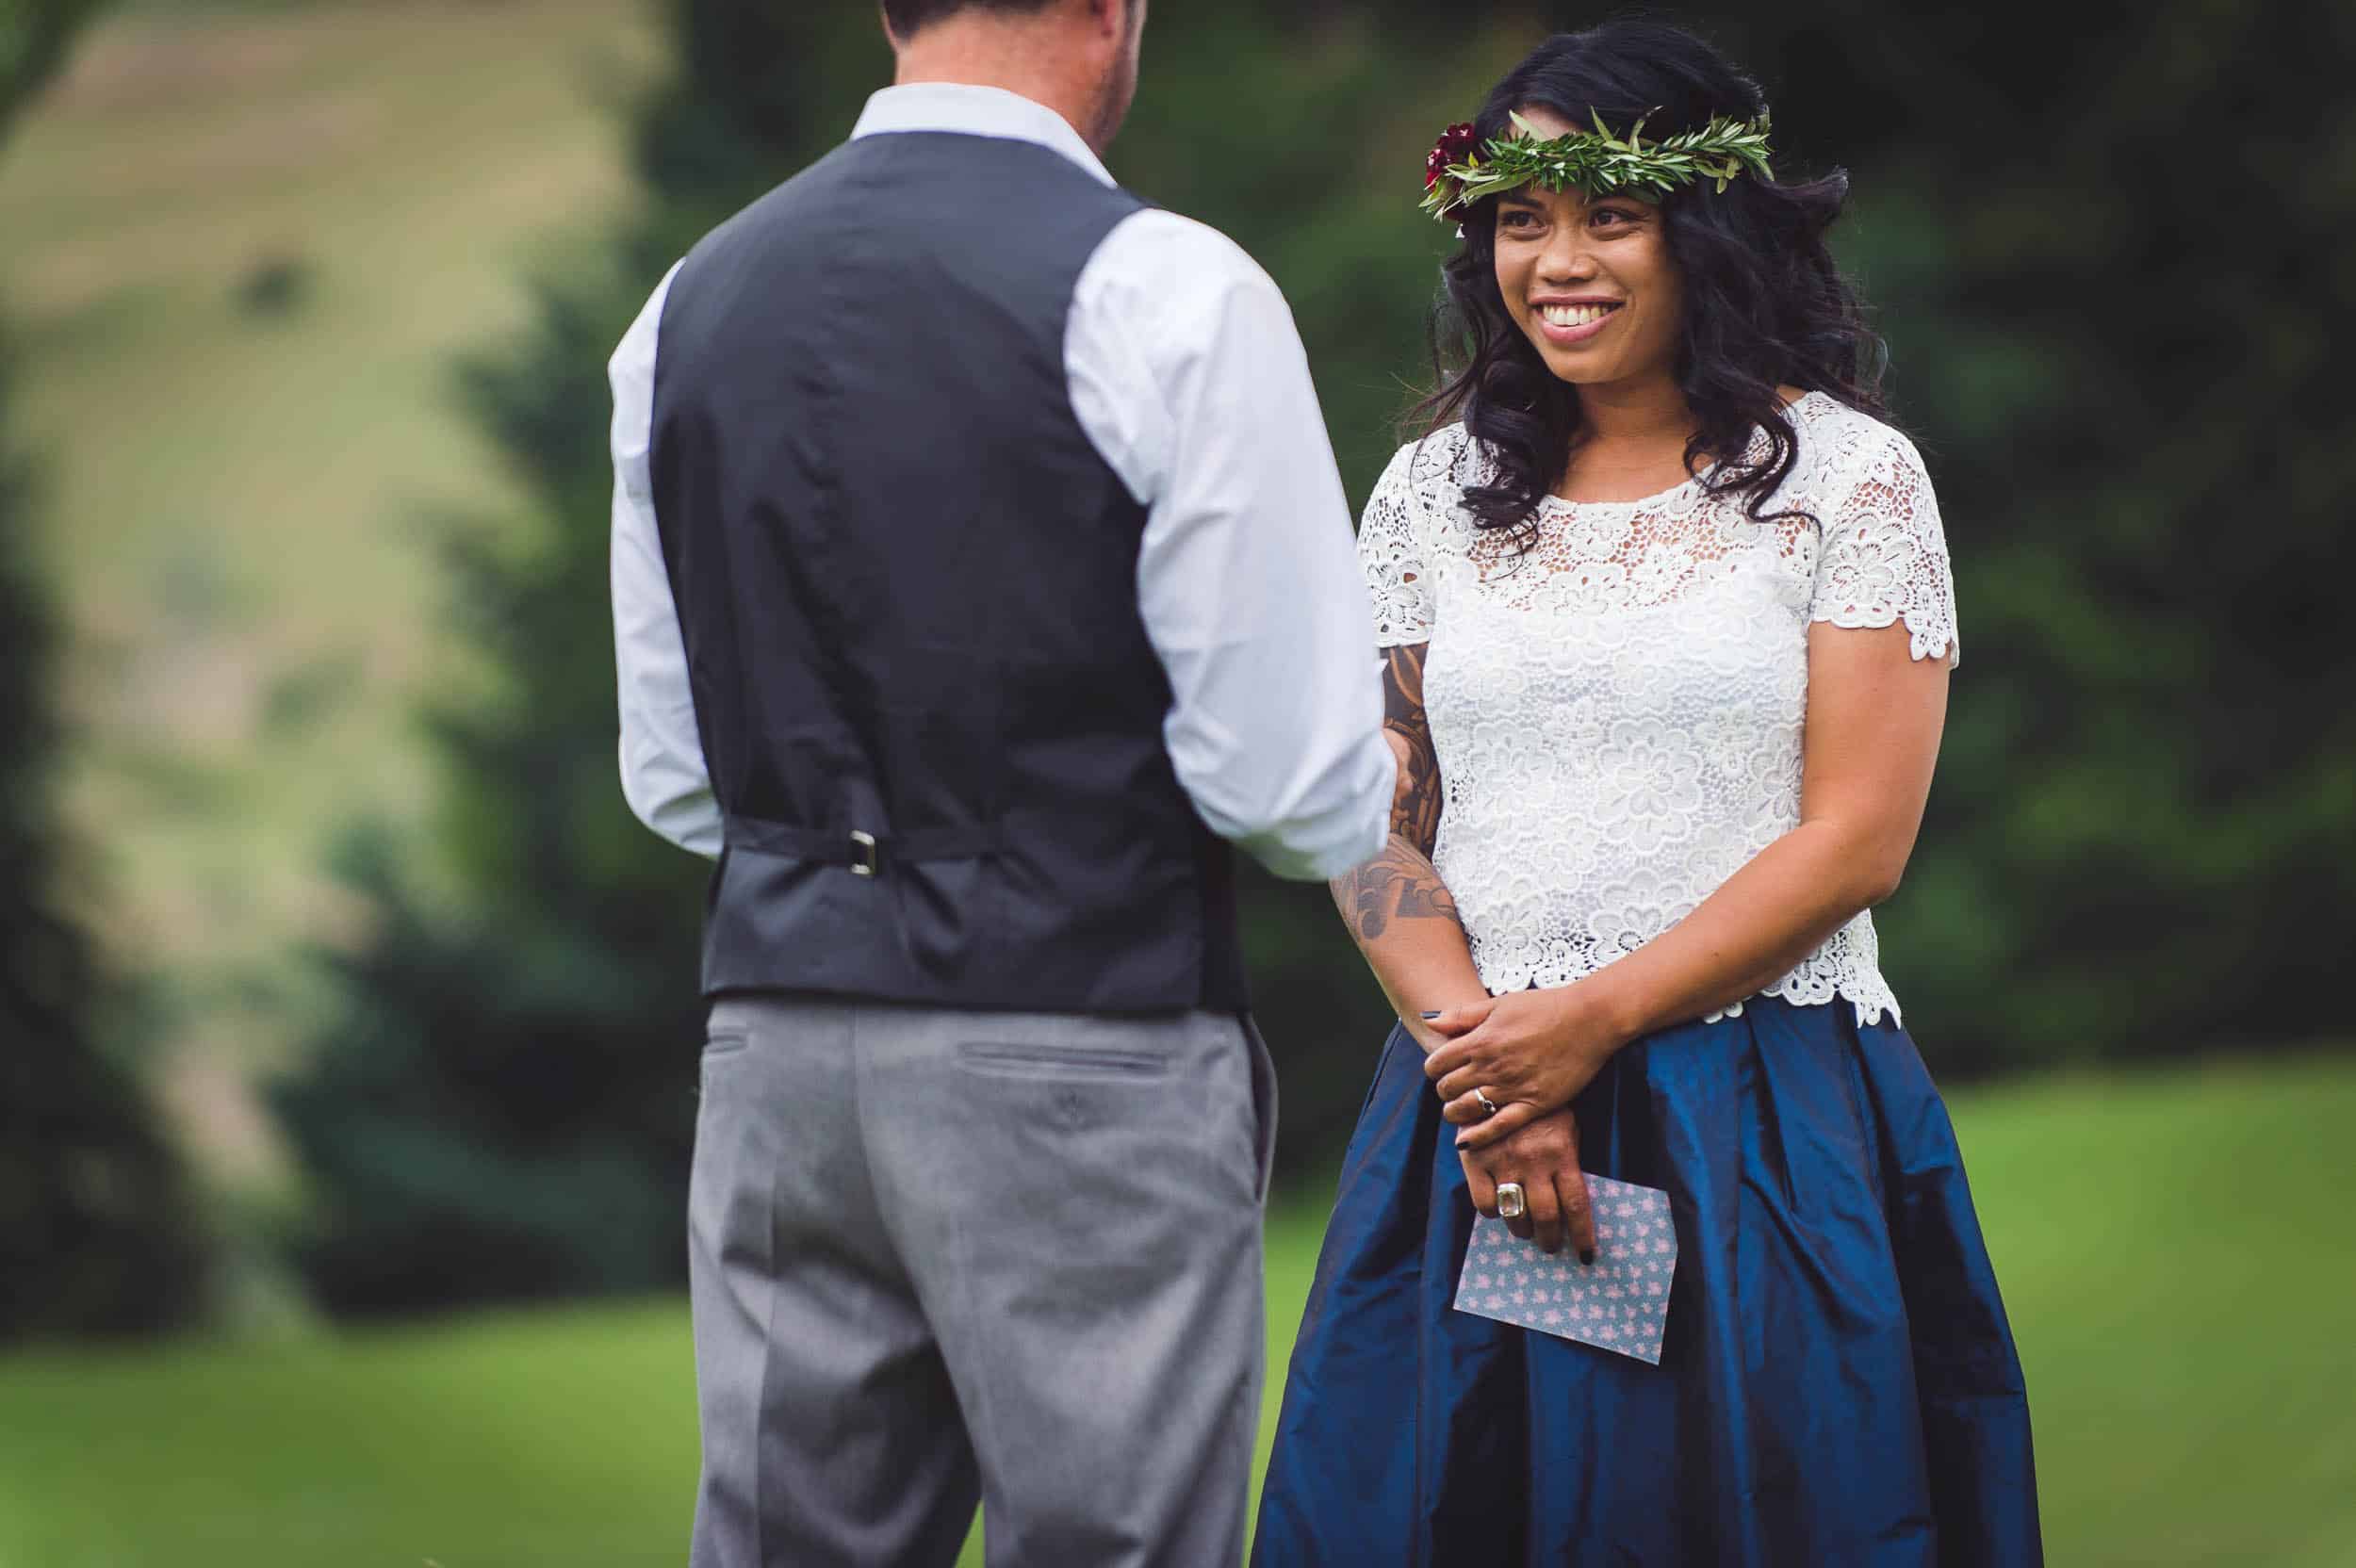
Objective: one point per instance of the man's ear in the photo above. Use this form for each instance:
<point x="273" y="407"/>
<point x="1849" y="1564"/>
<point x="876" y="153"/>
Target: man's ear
<point x="1109" y="18"/>
<point x="884" y="18"/>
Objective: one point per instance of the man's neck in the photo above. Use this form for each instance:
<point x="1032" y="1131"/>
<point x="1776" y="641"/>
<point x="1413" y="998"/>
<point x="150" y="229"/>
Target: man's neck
<point x="976" y="49"/>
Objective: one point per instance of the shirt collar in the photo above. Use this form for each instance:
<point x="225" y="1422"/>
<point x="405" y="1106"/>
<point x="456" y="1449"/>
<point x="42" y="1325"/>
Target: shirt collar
<point x="970" y="110"/>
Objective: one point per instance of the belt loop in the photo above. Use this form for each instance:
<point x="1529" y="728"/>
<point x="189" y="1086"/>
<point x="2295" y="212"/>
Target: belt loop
<point x="866" y="865"/>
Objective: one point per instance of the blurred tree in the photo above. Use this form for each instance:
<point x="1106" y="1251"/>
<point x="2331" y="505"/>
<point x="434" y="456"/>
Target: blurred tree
<point x="96" y="1232"/>
<point x="2112" y="277"/>
<point x="503" y="1105"/>
<point x="34" y="38"/>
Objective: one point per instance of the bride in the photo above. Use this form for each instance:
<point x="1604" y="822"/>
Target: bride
<point x="1667" y="621"/>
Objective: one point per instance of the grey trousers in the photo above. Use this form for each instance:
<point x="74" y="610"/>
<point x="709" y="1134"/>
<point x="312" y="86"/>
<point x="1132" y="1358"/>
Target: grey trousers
<point x="939" y="1256"/>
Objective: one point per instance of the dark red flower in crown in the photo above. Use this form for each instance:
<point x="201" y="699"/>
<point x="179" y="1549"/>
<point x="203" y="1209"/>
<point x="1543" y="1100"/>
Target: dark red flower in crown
<point x="1457" y="143"/>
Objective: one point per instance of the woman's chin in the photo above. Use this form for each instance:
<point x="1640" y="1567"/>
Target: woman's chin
<point x="1581" y="363"/>
<point x="1577" y="366"/>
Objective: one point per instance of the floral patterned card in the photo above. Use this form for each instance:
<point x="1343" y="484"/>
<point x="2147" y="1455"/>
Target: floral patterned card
<point x="1618" y="1302"/>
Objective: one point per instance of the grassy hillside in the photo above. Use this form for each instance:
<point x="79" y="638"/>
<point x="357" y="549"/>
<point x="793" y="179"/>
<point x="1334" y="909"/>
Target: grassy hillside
<point x="241" y="248"/>
<point x="2190" y="1409"/>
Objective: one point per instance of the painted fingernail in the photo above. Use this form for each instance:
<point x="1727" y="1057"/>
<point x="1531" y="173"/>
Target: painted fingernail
<point x="1428" y="1017"/>
<point x="1587" y="1256"/>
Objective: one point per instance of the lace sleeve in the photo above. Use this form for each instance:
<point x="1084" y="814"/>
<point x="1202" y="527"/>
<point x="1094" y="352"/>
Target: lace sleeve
<point x="1884" y="557"/>
<point x="1391" y="553"/>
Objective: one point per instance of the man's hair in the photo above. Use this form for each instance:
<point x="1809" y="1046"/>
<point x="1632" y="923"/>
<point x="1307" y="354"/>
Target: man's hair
<point x="907" y="16"/>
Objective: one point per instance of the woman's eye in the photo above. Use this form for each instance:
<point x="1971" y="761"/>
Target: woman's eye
<point x="1518" y="219"/>
<point x="1604" y="218"/>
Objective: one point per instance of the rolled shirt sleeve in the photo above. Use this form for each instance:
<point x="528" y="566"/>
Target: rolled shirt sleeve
<point x="663" y="774"/>
<point x="1189" y="377"/>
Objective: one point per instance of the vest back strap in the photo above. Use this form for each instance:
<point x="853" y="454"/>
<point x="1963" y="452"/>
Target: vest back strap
<point x="865" y="853"/>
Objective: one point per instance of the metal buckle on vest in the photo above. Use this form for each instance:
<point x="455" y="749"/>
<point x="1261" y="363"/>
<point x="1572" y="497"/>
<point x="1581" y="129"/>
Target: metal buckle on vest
<point x="867" y="864"/>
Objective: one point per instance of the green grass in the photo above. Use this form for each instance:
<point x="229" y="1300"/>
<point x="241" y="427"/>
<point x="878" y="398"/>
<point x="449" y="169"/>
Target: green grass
<point x="2173" y="1250"/>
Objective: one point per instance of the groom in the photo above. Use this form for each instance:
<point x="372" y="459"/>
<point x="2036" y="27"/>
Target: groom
<point x="980" y="571"/>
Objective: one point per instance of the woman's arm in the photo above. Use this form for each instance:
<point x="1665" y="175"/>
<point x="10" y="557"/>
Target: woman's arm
<point x="1396" y="905"/>
<point x="1406" y="924"/>
<point x="1875" y="718"/>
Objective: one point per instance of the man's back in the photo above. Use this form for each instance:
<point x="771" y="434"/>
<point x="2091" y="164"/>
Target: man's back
<point x="907" y="584"/>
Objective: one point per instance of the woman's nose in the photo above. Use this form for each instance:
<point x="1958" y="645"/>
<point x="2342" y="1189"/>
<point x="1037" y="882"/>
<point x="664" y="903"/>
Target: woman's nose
<point x="1565" y="260"/>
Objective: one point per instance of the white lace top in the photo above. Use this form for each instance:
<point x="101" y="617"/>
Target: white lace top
<point x="1618" y="713"/>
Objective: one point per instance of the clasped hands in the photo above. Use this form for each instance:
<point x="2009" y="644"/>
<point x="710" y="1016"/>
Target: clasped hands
<point x="1530" y="1053"/>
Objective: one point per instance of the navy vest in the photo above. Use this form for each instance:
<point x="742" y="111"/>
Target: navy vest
<point x="908" y="586"/>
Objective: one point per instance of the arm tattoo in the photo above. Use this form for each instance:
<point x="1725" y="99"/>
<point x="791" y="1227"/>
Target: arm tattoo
<point x="1415" y="808"/>
<point x="1401" y="883"/>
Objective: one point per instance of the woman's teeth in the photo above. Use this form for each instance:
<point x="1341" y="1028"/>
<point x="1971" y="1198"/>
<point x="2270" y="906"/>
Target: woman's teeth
<point x="1574" y="316"/>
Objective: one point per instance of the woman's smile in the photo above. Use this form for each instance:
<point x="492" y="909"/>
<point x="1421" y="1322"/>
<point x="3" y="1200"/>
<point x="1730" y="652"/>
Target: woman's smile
<point x="1569" y="322"/>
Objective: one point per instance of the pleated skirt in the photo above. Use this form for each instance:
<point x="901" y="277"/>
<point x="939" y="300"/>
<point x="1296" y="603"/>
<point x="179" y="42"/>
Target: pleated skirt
<point x="1838" y="1384"/>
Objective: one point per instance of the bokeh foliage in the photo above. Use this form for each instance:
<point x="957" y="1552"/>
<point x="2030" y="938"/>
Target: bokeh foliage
<point x="34" y="36"/>
<point x="2111" y="336"/>
<point x="97" y="1232"/>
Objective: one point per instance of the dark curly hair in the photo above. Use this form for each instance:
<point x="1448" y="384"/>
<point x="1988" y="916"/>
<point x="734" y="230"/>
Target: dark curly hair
<point x="1765" y="305"/>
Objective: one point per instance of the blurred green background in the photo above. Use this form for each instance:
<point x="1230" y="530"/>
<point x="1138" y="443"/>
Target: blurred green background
<point x="346" y="1032"/>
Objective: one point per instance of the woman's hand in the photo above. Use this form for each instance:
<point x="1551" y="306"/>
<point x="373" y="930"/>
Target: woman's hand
<point x="1530" y="1052"/>
<point x="1544" y="1158"/>
<point x="1425" y="1035"/>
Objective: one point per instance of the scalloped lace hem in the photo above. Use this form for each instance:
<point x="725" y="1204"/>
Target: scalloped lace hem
<point x="1872" y="999"/>
<point x="1932" y="640"/>
<point x="1805" y="987"/>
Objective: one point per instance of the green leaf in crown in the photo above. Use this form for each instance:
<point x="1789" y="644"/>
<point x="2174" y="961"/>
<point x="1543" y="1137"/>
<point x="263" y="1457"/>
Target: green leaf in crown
<point x="1460" y="171"/>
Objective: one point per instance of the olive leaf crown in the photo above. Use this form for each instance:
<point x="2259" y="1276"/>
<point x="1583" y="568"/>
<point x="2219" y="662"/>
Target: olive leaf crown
<point x="1462" y="170"/>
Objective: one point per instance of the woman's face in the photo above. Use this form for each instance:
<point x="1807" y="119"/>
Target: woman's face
<point x="1589" y="281"/>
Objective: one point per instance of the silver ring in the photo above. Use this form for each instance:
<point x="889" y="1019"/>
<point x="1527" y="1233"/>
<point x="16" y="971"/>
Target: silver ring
<point x="1511" y="1203"/>
<point x="1488" y="1106"/>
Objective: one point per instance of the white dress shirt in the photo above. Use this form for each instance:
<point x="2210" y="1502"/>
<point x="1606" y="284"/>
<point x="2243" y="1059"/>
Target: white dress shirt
<point x="1189" y="376"/>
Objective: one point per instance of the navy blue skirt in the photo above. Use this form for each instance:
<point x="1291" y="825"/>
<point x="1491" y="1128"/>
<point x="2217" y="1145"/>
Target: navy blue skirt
<point x="1838" y="1383"/>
